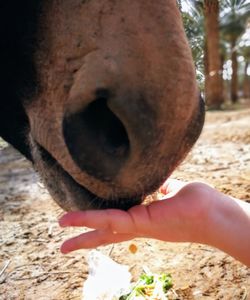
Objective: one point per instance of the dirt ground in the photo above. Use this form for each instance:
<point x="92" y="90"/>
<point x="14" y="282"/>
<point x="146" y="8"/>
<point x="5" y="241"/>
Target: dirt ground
<point x="31" y="266"/>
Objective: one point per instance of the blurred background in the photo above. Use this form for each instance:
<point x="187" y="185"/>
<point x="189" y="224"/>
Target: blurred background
<point x="219" y="34"/>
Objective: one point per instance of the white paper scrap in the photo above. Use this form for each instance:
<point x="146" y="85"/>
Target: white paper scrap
<point x="107" y="279"/>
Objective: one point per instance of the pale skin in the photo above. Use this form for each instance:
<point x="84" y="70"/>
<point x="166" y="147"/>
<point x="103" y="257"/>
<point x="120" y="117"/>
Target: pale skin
<point x="189" y="212"/>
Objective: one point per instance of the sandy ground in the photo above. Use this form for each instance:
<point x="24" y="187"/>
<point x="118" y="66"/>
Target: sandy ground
<point x="31" y="266"/>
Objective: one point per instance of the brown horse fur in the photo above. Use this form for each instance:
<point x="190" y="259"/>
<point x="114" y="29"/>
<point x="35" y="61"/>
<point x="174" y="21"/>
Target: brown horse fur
<point x="116" y="106"/>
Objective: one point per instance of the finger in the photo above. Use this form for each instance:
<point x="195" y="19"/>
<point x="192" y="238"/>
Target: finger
<point x="93" y="239"/>
<point x="172" y="186"/>
<point x="113" y="219"/>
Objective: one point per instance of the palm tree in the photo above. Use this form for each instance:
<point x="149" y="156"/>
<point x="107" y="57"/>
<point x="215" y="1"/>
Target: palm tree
<point x="193" y="21"/>
<point x="201" y="23"/>
<point x="234" y="14"/>
<point x="244" y="50"/>
<point x="214" y="82"/>
<point x="201" y="20"/>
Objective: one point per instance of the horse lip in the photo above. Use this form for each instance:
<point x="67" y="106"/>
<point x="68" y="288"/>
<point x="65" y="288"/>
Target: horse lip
<point x="93" y="201"/>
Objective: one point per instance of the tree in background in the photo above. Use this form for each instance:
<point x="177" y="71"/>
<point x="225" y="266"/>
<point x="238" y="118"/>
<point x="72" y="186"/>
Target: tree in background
<point x="194" y="28"/>
<point x="210" y="27"/>
<point x="201" y="23"/>
<point x="213" y="71"/>
<point x="244" y="50"/>
<point x="234" y="14"/>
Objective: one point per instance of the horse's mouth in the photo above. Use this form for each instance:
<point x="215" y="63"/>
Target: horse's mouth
<point x="69" y="194"/>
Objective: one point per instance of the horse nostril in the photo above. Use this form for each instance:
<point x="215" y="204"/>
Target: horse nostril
<point x="96" y="138"/>
<point x="103" y="122"/>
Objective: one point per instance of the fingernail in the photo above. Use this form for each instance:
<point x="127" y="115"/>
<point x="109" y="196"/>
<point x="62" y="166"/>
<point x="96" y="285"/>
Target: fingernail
<point x="63" y="251"/>
<point x="62" y="222"/>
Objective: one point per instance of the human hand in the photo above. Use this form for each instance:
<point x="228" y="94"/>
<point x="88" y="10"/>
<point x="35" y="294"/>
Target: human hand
<point x="180" y="216"/>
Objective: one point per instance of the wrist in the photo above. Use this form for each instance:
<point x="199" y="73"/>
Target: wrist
<point x="216" y="221"/>
<point x="203" y="221"/>
<point x="228" y="227"/>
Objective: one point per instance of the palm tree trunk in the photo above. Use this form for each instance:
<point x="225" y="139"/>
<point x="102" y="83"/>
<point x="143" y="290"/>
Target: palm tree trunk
<point x="206" y="70"/>
<point x="222" y="62"/>
<point x="246" y="82"/>
<point x="234" y="80"/>
<point x="213" y="79"/>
